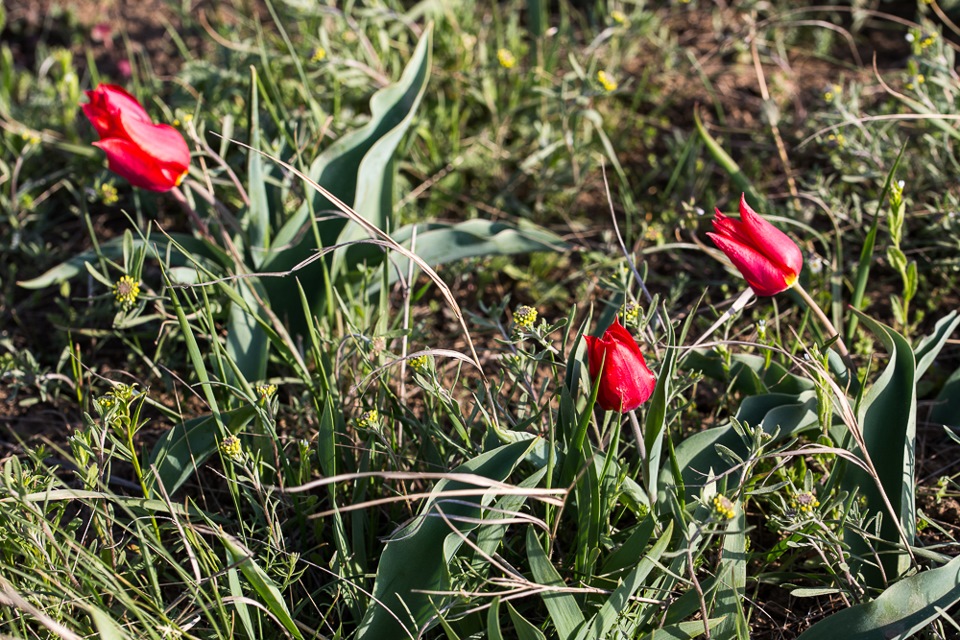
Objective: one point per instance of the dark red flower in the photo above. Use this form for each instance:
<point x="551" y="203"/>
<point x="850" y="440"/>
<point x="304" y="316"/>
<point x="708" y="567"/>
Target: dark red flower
<point x="625" y="380"/>
<point x="150" y="156"/>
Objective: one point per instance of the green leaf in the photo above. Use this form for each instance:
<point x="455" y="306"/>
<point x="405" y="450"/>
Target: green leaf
<point x="929" y="347"/>
<point x="773" y="377"/>
<point x="525" y="630"/>
<point x="357" y="169"/>
<point x="442" y="243"/>
<point x="394" y="104"/>
<point x="247" y="342"/>
<point x="599" y="626"/>
<point x="256" y="219"/>
<point x="887" y="417"/>
<point x="238" y="555"/>
<point x="106" y="627"/>
<point x="563" y="607"/>
<point x="656" y="422"/>
<point x="782" y="414"/>
<point x="866" y="253"/>
<point x="187" y="445"/>
<point x="946" y="408"/>
<point x="726" y="162"/>
<point x="732" y="578"/>
<point x="416" y="558"/>
<point x="493" y="621"/>
<point x="682" y="630"/>
<point x="898" y="612"/>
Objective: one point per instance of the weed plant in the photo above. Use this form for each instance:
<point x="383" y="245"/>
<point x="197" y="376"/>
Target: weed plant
<point x="335" y="384"/>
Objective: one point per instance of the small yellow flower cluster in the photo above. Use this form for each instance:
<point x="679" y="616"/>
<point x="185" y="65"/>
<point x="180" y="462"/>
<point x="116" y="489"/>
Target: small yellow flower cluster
<point x="30" y="137"/>
<point x="832" y="93"/>
<point x="724" y="507"/>
<point x="608" y="83"/>
<point x="630" y="311"/>
<point x="266" y="391"/>
<point x="837" y="140"/>
<point x="619" y="17"/>
<point x="126" y="291"/>
<point x="419" y="363"/>
<point x="928" y="40"/>
<point x="525" y="317"/>
<point x="231" y="448"/>
<point x="804" y="502"/>
<point x="920" y="79"/>
<point x="369" y="419"/>
<point x="108" y="194"/>
<point x="319" y="54"/>
<point x="506" y="59"/>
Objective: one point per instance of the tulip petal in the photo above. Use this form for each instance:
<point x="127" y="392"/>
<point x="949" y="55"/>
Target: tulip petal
<point x="625" y="381"/>
<point x="106" y="104"/>
<point x="730" y="228"/>
<point x="140" y="169"/>
<point x="761" y="274"/>
<point x="161" y="141"/>
<point x="116" y="100"/>
<point x="773" y="243"/>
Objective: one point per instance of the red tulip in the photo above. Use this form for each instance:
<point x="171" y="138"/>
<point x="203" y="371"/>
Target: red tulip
<point x="768" y="259"/>
<point x="625" y="380"/>
<point x="151" y="156"/>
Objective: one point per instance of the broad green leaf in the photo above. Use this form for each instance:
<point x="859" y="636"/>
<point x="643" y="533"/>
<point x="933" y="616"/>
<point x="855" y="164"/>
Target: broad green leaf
<point x="898" y="612"/>
<point x="732" y="579"/>
<point x="256" y="220"/>
<point x="247" y="342"/>
<point x="887" y="417"/>
<point x="442" y="243"/>
<point x="946" y="408"/>
<point x="265" y="587"/>
<point x="399" y="102"/>
<point x="780" y="413"/>
<point x="631" y="551"/>
<point x="774" y="378"/>
<point x="106" y="627"/>
<point x="357" y="169"/>
<point x="493" y="621"/>
<point x="682" y="630"/>
<point x="599" y="626"/>
<point x="656" y="422"/>
<point x="525" y="630"/>
<point x="416" y="558"/>
<point x="929" y="347"/>
<point x="188" y="444"/>
<point x="563" y="607"/>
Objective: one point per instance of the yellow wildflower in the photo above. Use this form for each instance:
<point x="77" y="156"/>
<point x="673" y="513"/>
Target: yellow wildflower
<point x="525" y="317"/>
<point x="608" y="83"/>
<point x="724" y="507"/>
<point x="126" y="290"/>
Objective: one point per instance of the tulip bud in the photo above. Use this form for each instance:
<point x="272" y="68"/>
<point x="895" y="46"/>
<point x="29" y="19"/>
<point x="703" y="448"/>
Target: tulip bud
<point x="150" y="156"/>
<point x="768" y="259"/>
<point x="625" y="381"/>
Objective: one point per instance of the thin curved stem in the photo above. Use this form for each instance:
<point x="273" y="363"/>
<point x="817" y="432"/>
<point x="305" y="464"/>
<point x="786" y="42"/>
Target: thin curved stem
<point x="832" y="332"/>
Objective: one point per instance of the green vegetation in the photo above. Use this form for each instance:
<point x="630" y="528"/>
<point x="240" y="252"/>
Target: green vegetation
<point x="335" y="383"/>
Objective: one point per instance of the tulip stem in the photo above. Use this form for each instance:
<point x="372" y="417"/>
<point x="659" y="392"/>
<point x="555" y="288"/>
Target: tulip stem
<point x="191" y="213"/>
<point x="638" y="434"/>
<point x="742" y="300"/>
<point x="825" y="322"/>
